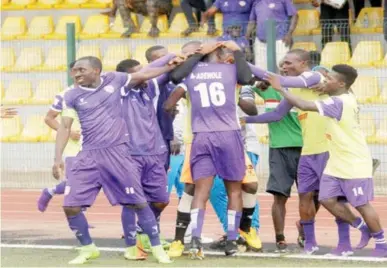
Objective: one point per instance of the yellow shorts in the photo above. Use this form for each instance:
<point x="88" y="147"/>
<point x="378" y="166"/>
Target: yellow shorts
<point x="186" y="176"/>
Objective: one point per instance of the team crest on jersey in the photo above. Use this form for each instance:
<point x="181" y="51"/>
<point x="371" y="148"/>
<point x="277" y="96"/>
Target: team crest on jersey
<point x="242" y="3"/>
<point x="146" y="97"/>
<point x="109" y="89"/>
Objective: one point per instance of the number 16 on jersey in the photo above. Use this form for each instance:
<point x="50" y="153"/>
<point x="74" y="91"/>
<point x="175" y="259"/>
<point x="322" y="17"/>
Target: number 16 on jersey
<point x="211" y="94"/>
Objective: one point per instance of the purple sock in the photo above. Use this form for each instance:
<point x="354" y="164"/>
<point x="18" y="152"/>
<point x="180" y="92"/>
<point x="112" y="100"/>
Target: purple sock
<point x="365" y="232"/>
<point x="310" y="237"/>
<point x="59" y="188"/>
<point x="128" y="219"/>
<point x="148" y="223"/>
<point x="197" y="221"/>
<point x="78" y="224"/>
<point x="344" y="237"/>
<point x="380" y="241"/>
<point x="233" y="222"/>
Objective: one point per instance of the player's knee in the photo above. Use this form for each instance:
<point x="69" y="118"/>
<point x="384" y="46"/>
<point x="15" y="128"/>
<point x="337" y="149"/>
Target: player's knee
<point x="72" y="211"/>
<point x="250" y="188"/>
<point x="328" y="203"/>
<point x="160" y="205"/>
<point x="235" y="194"/>
<point x="189" y="188"/>
<point x="280" y="199"/>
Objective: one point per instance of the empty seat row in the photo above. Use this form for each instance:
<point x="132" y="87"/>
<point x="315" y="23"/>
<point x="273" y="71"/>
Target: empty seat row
<point x="96" y="26"/>
<point x="366" y="53"/>
<point x="32" y="58"/>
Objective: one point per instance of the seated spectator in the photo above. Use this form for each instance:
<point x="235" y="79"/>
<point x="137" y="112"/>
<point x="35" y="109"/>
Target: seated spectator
<point x="193" y="24"/>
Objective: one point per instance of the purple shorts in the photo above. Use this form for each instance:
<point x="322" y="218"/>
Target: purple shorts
<point x="110" y="169"/>
<point x="218" y="153"/>
<point x="153" y="177"/>
<point x="310" y="170"/>
<point x="68" y="164"/>
<point x="358" y="192"/>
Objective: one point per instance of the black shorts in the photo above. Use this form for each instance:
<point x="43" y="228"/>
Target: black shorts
<point x="283" y="163"/>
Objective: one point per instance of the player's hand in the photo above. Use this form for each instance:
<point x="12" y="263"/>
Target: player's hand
<point x="231" y="45"/>
<point x="274" y="80"/>
<point x="288" y="40"/>
<point x="75" y="135"/>
<point x="8" y="112"/>
<point x="57" y="169"/>
<point x="315" y="3"/>
<point x="175" y="147"/>
<point x="179" y="59"/>
<point x="207" y="48"/>
<point x="242" y="121"/>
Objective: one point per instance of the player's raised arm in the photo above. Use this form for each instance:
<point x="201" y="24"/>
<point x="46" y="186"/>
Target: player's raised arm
<point x="174" y="98"/>
<point x="141" y="77"/>
<point x="244" y="74"/>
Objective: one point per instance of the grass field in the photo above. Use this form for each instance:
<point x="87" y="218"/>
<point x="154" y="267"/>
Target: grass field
<point x="20" y="257"/>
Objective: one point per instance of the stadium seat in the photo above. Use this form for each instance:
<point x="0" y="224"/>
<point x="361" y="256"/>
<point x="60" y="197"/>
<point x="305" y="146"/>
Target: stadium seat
<point x="29" y="58"/>
<point x="381" y="63"/>
<point x="113" y="55"/>
<point x="308" y="46"/>
<point x="381" y="134"/>
<point x="375" y="20"/>
<point x="263" y="133"/>
<point x="259" y="100"/>
<point x="368" y="127"/>
<point x="56" y="60"/>
<point x="46" y="91"/>
<point x="44" y="4"/>
<point x="308" y="20"/>
<point x="178" y="25"/>
<point x="12" y="27"/>
<point x="383" y="94"/>
<point x="335" y="53"/>
<point x="1" y="91"/>
<point x="118" y="28"/>
<point x="10" y="129"/>
<point x="18" y="92"/>
<point x="162" y="24"/>
<point x="39" y="27"/>
<point x="4" y="2"/>
<point x="35" y="130"/>
<point x="175" y="48"/>
<point x="7" y="58"/>
<point x="17" y="4"/>
<point x="97" y="4"/>
<point x="366" y="89"/>
<point x="89" y="50"/>
<point x="203" y="31"/>
<point x="60" y="30"/>
<point x="366" y="54"/>
<point x="94" y="26"/>
<point x="139" y="53"/>
<point x="69" y="4"/>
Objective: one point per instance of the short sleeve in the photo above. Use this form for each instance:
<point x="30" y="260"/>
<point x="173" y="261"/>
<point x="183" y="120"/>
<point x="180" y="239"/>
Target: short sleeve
<point x="217" y="4"/>
<point x="57" y="104"/>
<point x="290" y="8"/>
<point x="253" y="15"/>
<point x="331" y="107"/>
<point x="123" y="78"/>
<point x="247" y="93"/>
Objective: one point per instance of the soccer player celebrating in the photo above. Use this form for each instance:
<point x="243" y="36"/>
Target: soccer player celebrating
<point x="348" y="172"/>
<point x="217" y="146"/>
<point x="104" y="161"/>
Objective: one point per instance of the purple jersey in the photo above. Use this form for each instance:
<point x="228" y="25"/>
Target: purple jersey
<point x="139" y="106"/>
<point x="100" y="111"/>
<point x="213" y="95"/>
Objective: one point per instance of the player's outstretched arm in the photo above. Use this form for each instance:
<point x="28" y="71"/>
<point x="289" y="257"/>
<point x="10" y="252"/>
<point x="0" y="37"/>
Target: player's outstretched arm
<point x="244" y="74"/>
<point x="186" y="68"/>
<point x="274" y="116"/>
<point x="141" y="77"/>
<point x="247" y="101"/>
<point x="62" y="137"/>
<point x="174" y="98"/>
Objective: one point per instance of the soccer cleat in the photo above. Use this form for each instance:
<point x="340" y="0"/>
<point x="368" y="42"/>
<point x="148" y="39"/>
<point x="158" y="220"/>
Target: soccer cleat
<point x="44" y="200"/>
<point x="252" y="239"/>
<point x="282" y="247"/>
<point x="86" y="253"/>
<point x="176" y="249"/>
<point x="341" y="250"/>
<point x="310" y="250"/>
<point x="160" y="254"/>
<point x="219" y="244"/>
<point x="143" y="243"/>
<point x="231" y="248"/>
<point x="135" y="253"/>
<point x="364" y="239"/>
<point x="196" y="251"/>
<point x="165" y="244"/>
<point x="301" y="235"/>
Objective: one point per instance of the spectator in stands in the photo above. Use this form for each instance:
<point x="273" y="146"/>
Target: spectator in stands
<point x="285" y="15"/>
<point x="233" y="11"/>
<point x="193" y="24"/>
<point x="8" y="112"/>
<point x="359" y="4"/>
<point x="330" y="16"/>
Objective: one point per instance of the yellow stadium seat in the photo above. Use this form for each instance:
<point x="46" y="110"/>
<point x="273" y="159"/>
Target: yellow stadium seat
<point x="175" y="48"/>
<point x="366" y="53"/>
<point x="118" y="28"/>
<point x="381" y="134"/>
<point x="35" y="130"/>
<point x="46" y="91"/>
<point x="178" y="25"/>
<point x="68" y="4"/>
<point x="263" y="133"/>
<point x="368" y="127"/>
<point x="56" y="60"/>
<point x="203" y="31"/>
<point x="60" y="30"/>
<point x="97" y="4"/>
<point x="89" y="50"/>
<point x="162" y="24"/>
<point x="12" y="27"/>
<point x="29" y="59"/>
<point x="7" y="58"/>
<point x="308" y="20"/>
<point x="176" y="3"/>
<point x="10" y="129"/>
<point x="39" y="27"/>
<point x="4" y="2"/>
<point x="139" y="53"/>
<point x="113" y="55"/>
<point x="366" y="89"/>
<point x="308" y="46"/>
<point x="383" y="94"/>
<point x="2" y="92"/>
<point x="17" y="4"/>
<point x="375" y="20"/>
<point x="44" y="4"/>
<point x="94" y="26"/>
<point x="335" y="53"/>
<point x="19" y="92"/>
<point x="381" y="63"/>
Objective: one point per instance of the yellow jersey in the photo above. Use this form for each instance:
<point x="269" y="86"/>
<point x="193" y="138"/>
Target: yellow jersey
<point x="349" y="155"/>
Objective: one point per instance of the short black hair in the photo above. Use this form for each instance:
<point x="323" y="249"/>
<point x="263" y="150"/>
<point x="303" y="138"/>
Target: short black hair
<point x="94" y="62"/>
<point x="315" y="58"/>
<point x="302" y="53"/>
<point x="193" y="42"/>
<point x="124" y="65"/>
<point x="149" y="51"/>
<point x="71" y="65"/>
<point x="348" y="73"/>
